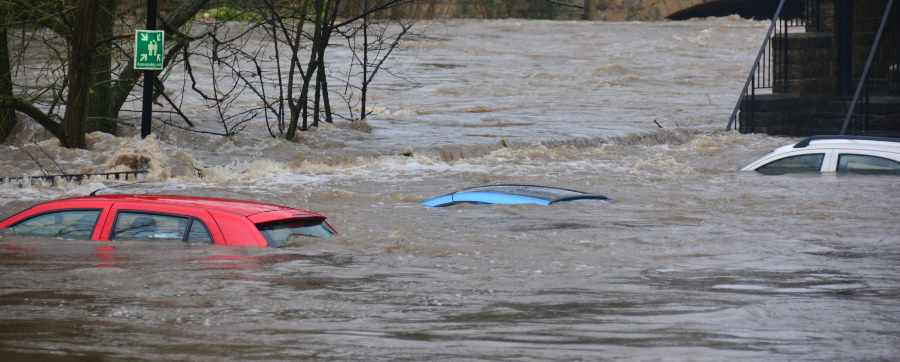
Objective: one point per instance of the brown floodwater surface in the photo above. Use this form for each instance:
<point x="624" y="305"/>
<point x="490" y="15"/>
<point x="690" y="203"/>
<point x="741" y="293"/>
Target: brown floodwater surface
<point x="692" y="260"/>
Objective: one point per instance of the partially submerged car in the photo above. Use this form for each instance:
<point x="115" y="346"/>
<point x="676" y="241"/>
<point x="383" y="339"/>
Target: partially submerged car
<point x="162" y="217"/>
<point x="829" y="154"/>
<point x="512" y="195"/>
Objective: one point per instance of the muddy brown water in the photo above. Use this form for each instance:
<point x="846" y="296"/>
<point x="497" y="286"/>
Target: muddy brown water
<point x="690" y="261"/>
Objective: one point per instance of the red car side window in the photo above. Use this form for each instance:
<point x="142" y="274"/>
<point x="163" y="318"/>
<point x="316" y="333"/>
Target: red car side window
<point x="68" y="224"/>
<point x="148" y="226"/>
<point x="199" y="233"/>
<point x="136" y="225"/>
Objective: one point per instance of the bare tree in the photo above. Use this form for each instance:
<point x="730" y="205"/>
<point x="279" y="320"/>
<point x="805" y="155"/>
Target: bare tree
<point x="82" y="53"/>
<point x="7" y="115"/>
<point x="372" y="41"/>
<point x="294" y="95"/>
<point x="71" y="73"/>
<point x="72" y="65"/>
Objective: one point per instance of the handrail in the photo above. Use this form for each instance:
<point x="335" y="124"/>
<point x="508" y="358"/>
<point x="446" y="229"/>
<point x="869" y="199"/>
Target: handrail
<point x="865" y="74"/>
<point x="755" y="67"/>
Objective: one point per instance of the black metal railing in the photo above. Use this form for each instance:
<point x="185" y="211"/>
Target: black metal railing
<point x="771" y="70"/>
<point x="812" y="13"/>
<point x="76" y="177"/>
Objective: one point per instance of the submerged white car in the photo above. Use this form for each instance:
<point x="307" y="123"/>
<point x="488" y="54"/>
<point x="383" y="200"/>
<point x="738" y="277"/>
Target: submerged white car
<point x="840" y="154"/>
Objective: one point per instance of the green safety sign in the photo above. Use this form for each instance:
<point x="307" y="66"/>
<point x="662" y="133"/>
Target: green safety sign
<point x="148" y="49"/>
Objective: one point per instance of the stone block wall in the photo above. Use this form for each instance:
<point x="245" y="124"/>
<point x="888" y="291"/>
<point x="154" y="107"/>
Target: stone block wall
<point x="826" y="17"/>
<point x="805" y="99"/>
<point x="800" y="116"/>
<point x="866" y="20"/>
<point x="809" y="64"/>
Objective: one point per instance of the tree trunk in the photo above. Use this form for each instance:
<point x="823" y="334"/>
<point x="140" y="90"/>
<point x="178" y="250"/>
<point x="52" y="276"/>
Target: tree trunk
<point x="100" y="112"/>
<point x="280" y="79"/>
<point x="304" y="101"/>
<point x="365" y="66"/>
<point x="7" y="114"/>
<point x="323" y="29"/>
<point x="317" y="100"/>
<point x="313" y="59"/>
<point x="323" y="79"/>
<point x="590" y="10"/>
<point x="432" y="9"/>
<point x="82" y="50"/>
<point x="294" y="68"/>
<point x="326" y="101"/>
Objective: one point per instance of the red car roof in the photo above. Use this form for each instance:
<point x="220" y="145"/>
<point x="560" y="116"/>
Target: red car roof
<point x="237" y="207"/>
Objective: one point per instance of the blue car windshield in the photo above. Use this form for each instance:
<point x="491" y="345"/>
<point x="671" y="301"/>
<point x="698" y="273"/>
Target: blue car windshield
<point x="279" y="233"/>
<point x="511" y="194"/>
<point x="539" y="192"/>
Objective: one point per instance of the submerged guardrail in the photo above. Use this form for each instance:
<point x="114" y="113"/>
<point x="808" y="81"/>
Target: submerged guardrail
<point x="73" y="177"/>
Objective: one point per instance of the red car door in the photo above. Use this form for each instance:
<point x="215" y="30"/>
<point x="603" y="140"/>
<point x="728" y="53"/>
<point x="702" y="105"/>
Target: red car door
<point x="119" y="210"/>
<point x="62" y="206"/>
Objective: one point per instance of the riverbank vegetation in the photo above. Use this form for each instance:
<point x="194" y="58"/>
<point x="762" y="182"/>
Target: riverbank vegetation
<point x="67" y="65"/>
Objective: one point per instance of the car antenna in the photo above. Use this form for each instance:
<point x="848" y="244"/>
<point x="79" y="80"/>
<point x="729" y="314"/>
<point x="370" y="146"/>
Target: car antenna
<point x="94" y="193"/>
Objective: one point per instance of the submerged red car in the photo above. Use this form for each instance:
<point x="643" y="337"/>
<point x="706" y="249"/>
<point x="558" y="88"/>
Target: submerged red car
<point x="175" y="218"/>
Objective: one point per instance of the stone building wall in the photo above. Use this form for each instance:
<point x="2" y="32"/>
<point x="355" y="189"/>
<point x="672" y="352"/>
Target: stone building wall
<point x="812" y="56"/>
<point x="810" y="64"/>
<point x="805" y="99"/>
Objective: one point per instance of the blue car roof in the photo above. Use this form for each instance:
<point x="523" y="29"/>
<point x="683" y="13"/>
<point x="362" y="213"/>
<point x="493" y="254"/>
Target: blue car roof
<point x="511" y="194"/>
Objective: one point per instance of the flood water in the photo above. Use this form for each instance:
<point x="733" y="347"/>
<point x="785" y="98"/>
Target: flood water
<point x="690" y="261"/>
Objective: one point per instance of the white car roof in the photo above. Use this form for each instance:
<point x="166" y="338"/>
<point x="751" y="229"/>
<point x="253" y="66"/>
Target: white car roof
<point x="850" y="142"/>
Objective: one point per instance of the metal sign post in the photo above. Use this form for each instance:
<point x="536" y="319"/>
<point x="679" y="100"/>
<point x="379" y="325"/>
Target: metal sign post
<point x="149" y="47"/>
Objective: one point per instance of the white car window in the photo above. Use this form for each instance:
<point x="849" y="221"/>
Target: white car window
<point x="866" y="164"/>
<point x="794" y="164"/>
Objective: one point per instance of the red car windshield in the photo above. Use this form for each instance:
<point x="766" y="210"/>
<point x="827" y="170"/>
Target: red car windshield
<point x="278" y="234"/>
